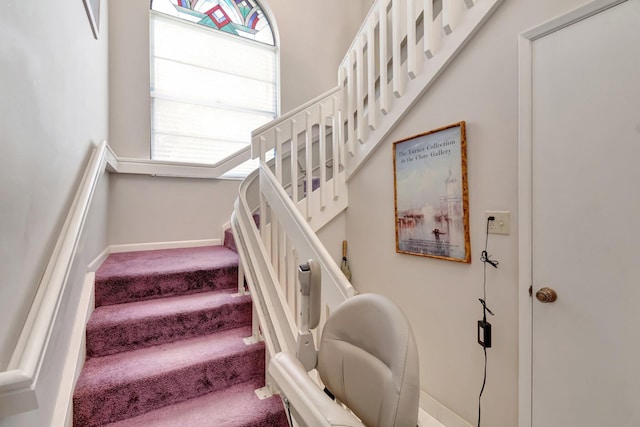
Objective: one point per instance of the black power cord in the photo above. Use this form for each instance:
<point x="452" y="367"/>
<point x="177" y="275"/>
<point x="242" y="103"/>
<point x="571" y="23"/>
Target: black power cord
<point x="485" y="339"/>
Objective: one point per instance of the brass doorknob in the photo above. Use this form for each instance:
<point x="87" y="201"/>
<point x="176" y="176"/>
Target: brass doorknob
<point x="546" y="295"/>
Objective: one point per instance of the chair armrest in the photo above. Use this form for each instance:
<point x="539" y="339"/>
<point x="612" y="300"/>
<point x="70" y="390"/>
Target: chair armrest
<point x="309" y="402"/>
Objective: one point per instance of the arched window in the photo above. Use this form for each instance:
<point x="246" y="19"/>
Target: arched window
<point x="213" y="77"/>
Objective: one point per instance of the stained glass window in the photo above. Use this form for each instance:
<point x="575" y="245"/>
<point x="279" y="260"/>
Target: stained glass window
<point x="209" y="88"/>
<point x="242" y="18"/>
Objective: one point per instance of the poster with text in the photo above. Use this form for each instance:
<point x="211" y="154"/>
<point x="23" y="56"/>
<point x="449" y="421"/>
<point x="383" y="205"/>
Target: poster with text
<point x="431" y="194"/>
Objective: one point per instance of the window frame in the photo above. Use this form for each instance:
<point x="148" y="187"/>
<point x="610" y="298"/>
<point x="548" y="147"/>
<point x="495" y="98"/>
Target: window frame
<point x="232" y="159"/>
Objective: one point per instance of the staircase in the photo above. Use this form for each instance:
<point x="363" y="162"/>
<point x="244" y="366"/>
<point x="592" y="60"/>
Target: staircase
<point x="165" y="345"/>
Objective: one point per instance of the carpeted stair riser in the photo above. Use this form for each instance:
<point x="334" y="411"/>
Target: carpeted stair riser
<point x="134" y="276"/>
<point x="196" y="370"/>
<point x="118" y="290"/>
<point x="222" y="408"/>
<point x="122" y="327"/>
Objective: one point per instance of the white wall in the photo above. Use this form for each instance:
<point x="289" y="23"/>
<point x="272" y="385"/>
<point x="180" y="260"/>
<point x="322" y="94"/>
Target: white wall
<point x="314" y="37"/>
<point x="159" y="209"/>
<point x="53" y="81"/>
<point x="441" y="297"/>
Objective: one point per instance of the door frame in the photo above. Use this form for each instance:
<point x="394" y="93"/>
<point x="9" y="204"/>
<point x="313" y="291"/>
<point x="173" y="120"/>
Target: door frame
<point x="525" y="181"/>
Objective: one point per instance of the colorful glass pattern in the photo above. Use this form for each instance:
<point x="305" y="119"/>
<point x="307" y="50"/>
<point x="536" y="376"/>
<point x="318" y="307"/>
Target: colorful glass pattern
<point x="244" y="18"/>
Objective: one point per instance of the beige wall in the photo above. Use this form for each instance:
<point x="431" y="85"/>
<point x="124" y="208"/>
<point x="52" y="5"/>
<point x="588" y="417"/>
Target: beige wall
<point x="314" y="35"/>
<point x="147" y="209"/>
<point x="441" y="297"/>
<point x="313" y="39"/>
<point x="53" y="108"/>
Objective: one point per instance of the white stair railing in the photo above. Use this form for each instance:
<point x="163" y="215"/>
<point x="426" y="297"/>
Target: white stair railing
<point x="270" y="257"/>
<point x="399" y="51"/>
<point x="315" y="175"/>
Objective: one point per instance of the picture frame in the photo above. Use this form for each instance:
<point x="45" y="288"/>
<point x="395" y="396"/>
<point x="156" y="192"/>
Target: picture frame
<point x="431" y="194"/>
<point x="93" y="13"/>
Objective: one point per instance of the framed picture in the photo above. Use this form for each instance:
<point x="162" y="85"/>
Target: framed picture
<point x="431" y="194"/>
<point x="93" y="12"/>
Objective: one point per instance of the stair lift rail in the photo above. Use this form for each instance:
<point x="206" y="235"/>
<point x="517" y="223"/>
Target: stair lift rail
<point x="270" y="257"/>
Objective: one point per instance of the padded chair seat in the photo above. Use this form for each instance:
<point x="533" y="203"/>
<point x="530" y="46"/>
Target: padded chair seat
<point x="367" y="358"/>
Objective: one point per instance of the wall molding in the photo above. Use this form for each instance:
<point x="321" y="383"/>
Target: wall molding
<point x="63" y="410"/>
<point x="19" y="383"/>
<point x="136" y="247"/>
<point x="443" y="416"/>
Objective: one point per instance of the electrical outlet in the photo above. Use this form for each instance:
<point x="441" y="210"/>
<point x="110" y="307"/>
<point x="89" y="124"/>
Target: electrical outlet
<point x="501" y="224"/>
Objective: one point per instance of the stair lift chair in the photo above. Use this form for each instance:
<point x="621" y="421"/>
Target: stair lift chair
<point x="367" y="358"/>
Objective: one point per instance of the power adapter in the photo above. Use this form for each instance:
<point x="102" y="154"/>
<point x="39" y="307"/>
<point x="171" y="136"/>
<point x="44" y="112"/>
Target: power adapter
<point x="484" y="333"/>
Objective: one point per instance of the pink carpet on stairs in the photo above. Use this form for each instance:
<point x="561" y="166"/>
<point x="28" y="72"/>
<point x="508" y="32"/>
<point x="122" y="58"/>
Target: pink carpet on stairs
<point x="121" y="327"/>
<point x="166" y="347"/>
<point x="134" y="276"/>
<point x="220" y="409"/>
<point x="132" y="383"/>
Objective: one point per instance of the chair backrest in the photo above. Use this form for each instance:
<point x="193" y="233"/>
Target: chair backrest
<point x="368" y="359"/>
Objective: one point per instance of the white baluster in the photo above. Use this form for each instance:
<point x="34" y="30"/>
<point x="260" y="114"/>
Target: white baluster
<point x="291" y="276"/>
<point x="337" y="151"/>
<point x="384" y="58"/>
<point x="241" y="290"/>
<point x="309" y="165"/>
<point x="293" y="158"/>
<point x="282" y="257"/>
<point x="322" y="146"/>
<point x="350" y="101"/>
<point x="432" y="30"/>
<point x="371" y="69"/>
<point x="263" y="220"/>
<point x="412" y="62"/>
<point x="262" y="145"/>
<point x="398" y="23"/>
<point x="279" y="157"/>
<point x="359" y="46"/>
<point x="451" y="14"/>
<point x="273" y="243"/>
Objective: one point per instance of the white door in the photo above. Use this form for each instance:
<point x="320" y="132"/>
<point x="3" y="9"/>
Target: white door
<point x="585" y="152"/>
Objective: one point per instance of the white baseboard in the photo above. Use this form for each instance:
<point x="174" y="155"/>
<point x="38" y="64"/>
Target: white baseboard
<point x="63" y="410"/>
<point x="438" y="415"/>
<point x="134" y="247"/>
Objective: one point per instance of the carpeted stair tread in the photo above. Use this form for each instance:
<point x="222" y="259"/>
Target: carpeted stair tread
<point x="128" y="384"/>
<point x="133" y="276"/>
<point x="226" y="408"/>
<point x="121" y="327"/>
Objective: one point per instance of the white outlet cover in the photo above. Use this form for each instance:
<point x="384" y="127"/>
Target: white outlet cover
<point x="501" y="224"/>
